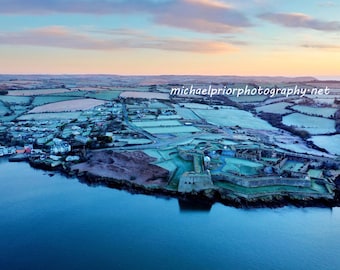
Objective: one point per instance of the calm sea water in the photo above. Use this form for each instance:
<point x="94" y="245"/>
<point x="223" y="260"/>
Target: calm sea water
<point x="59" y="223"/>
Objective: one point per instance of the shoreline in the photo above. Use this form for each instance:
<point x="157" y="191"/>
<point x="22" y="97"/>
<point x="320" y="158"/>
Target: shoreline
<point x="207" y="196"/>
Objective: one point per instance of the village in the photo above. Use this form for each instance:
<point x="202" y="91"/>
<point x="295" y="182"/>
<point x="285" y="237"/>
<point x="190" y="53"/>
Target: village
<point x="194" y="147"/>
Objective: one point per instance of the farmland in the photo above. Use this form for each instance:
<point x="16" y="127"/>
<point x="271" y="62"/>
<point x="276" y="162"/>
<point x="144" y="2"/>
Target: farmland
<point x="157" y="123"/>
<point x="69" y="105"/>
<point x="16" y="99"/>
<point x="146" y="95"/>
<point x="323" y="112"/>
<point x="50" y="116"/>
<point x="280" y="108"/>
<point x="312" y="124"/>
<point x="193" y="138"/>
<point x="330" y="143"/>
<point x="231" y="117"/>
<point x="37" y="92"/>
<point x="3" y="109"/>
<point x="171" y="130"/>
<point x="41" y="100"/>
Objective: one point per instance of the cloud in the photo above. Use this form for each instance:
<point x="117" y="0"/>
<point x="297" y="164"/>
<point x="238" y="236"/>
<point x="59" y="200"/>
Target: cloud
<point x="115" y="39"/>
<point x="209" y="16"/>
<point x="321" y="46"/>
<point x="211" y="3"/>
<point x="97" y="7"/>
<point x="327" y="4"/>
<point x="202" y="16"/>
<point x="300" y="20"/>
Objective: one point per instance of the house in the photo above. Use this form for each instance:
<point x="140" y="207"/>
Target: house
<point x="59" y="147"/>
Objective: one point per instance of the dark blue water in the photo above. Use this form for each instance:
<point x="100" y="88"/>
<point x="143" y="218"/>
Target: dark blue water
<point x="58" y="223"/>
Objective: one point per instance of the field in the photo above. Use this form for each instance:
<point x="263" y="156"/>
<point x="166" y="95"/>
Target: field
<point x="327" y="99"/>
<point x="195" y="106"/>
<point x="172" y="130"/>
<point x="323" y="112"/>
<point x="15" y="99"/>
<point x="3" y="109"/>
<point x="69" y="105"/>
<point x="313" y="124"/>
<point x="146" y="95"/>
<point x="186" y="113"/>
<point x="50" y="116"/>
<point x="158" y="105"/>
<point x="279" y="108"/>
<point x="41" y="100"/>
<point x="157" y="123"/>
<point x="104" y="95"/>
<point x="233" y="117"/>
<point x="330" y="143"/>
<point x="37" y="92"/>
<point x="248" y="99"/>
<point x="169" y="117"/>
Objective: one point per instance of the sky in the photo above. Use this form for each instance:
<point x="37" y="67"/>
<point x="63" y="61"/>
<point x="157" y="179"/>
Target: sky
<point x="177" y="37"/>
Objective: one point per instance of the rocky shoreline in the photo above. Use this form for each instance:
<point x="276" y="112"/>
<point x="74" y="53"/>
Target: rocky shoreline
<point x="208" y="196"/>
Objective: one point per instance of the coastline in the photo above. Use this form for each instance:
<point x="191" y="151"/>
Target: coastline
<point x="207" y="196"/>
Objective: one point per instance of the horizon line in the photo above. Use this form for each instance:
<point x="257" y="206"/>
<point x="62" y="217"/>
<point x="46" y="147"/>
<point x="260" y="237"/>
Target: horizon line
<point x="158" y="75"/>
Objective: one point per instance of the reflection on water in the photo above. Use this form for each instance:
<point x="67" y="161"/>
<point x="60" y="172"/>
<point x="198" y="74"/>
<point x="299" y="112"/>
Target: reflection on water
<point x="194" y="206"/>
<point x="58" y="223"/>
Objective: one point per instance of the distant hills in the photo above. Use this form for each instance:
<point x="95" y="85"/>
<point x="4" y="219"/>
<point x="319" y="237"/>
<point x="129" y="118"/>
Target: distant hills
<point x="163" y="79"/>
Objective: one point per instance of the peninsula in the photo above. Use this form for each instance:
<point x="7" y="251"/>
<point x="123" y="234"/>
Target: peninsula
<point x="256" y="149"/>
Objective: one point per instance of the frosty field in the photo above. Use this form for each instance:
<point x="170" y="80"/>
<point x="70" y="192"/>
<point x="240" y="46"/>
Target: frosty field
<point x="324" y="112"/>
<point x="330" y="143"/>
<point x="233" y="117"/>
<point x="312" y="124"/>
<point x="69" y="105"/>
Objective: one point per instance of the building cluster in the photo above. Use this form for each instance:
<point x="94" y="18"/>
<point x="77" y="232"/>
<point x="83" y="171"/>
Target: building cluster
<point x="256" y="167"/>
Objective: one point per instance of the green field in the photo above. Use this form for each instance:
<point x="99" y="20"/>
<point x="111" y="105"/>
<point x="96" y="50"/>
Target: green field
<point x="158" y="105"/>
<point x="279" y="108"/>
<point x="171" y="130"/>
<point x="15" y="99"/>
<point x="41" y="100"/>
<point x="248" y="99"/>
<point x="3" y="109"/>
<point x="312" y="124"/>
<point x="71" y="94"/>
<point x="195" y="106"/>
<point x="330" y="143"/>
<point x="186" y="113"/>
<point x="157" y="123"/>
<point x="50" y="116"/>
<point x="233" y="117"/>
<point x="104" y="95"/>
<point x="324" y="112"/>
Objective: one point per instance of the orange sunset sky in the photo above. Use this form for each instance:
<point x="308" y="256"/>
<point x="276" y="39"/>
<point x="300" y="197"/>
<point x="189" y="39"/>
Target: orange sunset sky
<point x="205" y="37"/>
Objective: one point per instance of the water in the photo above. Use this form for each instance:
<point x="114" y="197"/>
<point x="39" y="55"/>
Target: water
<point x="59" y="223"/>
